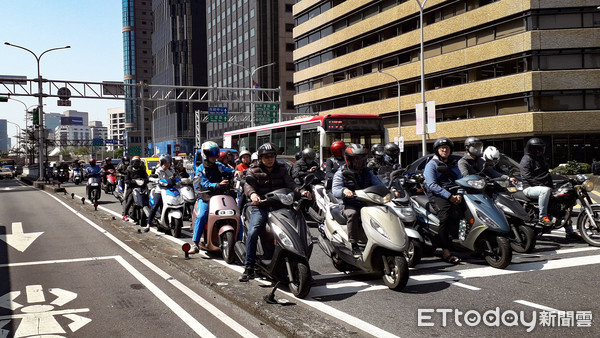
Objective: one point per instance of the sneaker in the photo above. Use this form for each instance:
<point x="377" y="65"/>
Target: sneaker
<point x="125" y="218"/>
<point x="194" y="250"/>
<point x="546" y="220"/>
<point x="247" y="275"/>
<point x="356" y="251"/>
<point x="573" y="236"/>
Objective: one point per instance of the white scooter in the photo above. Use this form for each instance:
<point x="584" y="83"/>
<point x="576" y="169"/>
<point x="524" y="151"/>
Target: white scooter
<point x="170" y="217"/>
<point x="186" y="188"/>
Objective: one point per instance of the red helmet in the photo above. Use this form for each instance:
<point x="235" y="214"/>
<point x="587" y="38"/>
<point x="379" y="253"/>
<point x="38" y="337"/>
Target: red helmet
<point x="223" y="154"/>
<point x="337" y="149"/>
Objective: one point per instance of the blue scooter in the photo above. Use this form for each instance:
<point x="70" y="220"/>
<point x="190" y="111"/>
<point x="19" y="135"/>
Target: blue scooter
<point x="483" y="228"/>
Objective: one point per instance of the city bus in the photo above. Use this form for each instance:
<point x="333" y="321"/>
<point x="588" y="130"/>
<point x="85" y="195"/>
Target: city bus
<point x="317" y="132"/>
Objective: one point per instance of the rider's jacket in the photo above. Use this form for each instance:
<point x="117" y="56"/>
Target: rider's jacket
<point x="534" y="172"/>
<point x="476" y="166"/>
<point x="133" y="173"/>
<point x="348" y="179"/>
<point x="375" y="163"/>
<point x="164" y="173"/>
<point x="259" y="180"/>
<point x="181" y="173"/>
<point x="300" y="170"/>
<point x="210" y="175"/>
<point x="331" y="167"/>
<point x="436" y="182"/>
<point x="95" y="170"/>
<point x="122" y="168"/>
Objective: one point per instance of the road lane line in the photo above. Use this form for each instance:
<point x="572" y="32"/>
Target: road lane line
<point x="537" y="306"/>
<point x="192" y="295"/>
<point x="462" y="285"/>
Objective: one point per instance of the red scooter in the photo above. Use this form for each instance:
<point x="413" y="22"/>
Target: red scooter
<point x="111" y="181"/>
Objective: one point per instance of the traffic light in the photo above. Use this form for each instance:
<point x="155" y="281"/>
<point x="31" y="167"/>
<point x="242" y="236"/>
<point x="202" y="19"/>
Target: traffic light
<point x="36" y="116"/>
<point x="3" y="98"/>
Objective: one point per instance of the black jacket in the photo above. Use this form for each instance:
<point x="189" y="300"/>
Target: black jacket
<point x="300" y="170"/>
<point x="259" y="180"/>
<point x="133" y="173"/>
<point x="331" y="166"/>
<point x="534" y="172"/>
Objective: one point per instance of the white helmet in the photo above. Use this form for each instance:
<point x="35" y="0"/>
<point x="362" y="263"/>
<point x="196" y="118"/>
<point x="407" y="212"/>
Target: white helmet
<point x="491" y="154"/>
<point x="254" y="156"/>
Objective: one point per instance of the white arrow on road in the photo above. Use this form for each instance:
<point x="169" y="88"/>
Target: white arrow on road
<point x="18" y="239"/>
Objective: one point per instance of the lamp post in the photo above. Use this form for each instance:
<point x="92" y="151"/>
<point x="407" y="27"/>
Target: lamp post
<point x="152" y="122"/>
<point x="251" y="84"/>
<point x="41" y="103"/>
<point x="422" y="59"/>
<point x="18" y="138"/>
<point x="399" y="126"/>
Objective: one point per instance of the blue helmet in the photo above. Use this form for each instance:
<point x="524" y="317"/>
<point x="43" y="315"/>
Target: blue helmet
<point x="210" y="149"/>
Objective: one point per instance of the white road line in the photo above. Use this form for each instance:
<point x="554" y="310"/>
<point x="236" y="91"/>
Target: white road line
<point x="192" y="295"/>
<point x="557" y="252"/>
<point x="462" y="285"/>
<point x="537" y="306"/>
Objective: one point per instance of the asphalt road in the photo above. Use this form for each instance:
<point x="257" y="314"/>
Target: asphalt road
<point x="551" y="291"/>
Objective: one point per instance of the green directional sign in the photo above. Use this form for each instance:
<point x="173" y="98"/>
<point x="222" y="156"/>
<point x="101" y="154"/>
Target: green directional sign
<point x="3" y="98"/>
<point x="265" y="113"/>
<point x="218" y="114"/>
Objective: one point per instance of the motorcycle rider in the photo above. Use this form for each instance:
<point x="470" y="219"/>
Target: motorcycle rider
<point x="179" y="168"/>
<point x="355" y="176"/>
<point x="537" y="181"/>
<point x="491" y="157"/>
<point x="93" y="169"/>
<point x="245" y="162"/>
<point x="335" y="162"/>
<point x="392" y="154"/>
<point x="122" y="169"/>
<point x="378" y="159"/>
<point x="224" y="158"/>
<point x="134" y="171"/>
<point x="261" y="179"/>
<point x="164" y="171"/>
<point x="448" y="206"/>
<point x="304" y="166"/>
<point x="105" y="167"/>
<point x="254" y="159"/>
<point x="210" y="175"/>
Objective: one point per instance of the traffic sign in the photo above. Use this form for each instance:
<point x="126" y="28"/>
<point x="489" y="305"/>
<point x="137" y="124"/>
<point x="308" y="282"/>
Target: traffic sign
<point x="218" y="114"/>
<point x="64" y="103"/>
<point x="265" y="113"/>
<point x="111" y="141"/>
<point x="97" y="142"/>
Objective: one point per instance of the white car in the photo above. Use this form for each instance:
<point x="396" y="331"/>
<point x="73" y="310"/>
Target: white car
<point x="6" y="173"/>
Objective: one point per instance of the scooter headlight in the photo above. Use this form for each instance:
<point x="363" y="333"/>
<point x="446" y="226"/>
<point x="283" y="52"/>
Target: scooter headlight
<point x="226" y="212"/>
<point x="487" y="220"/>
<point x="406" y="214"/>
<point x="581" y="178"/>
<point x="286" y="199"/>
<point x="477" y="184"/>
<point x="504" y="208"/>
<point x="588" y="185"/>
<point x="378" y="228"/>
<point x="176" y="200"/>
<point x="283" y="238"/>
<point x="379" y="199"/>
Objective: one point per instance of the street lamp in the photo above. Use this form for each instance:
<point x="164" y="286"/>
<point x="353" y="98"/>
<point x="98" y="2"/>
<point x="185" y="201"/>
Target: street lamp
<point x="41" y="103"/>
<point x="251" y="84"/>
<point x="399" y="126"/>
<point x="422" y="59"/>
<point x="18" y="138"/>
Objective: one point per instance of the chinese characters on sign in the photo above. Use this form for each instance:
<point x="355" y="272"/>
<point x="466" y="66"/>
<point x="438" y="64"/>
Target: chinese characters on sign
<point x="265" y="113"/>
<point x="218" y="114"/>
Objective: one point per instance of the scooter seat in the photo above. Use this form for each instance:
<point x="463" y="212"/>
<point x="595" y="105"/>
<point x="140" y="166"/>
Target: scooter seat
<point x="332" y="198"/>
<point x="423" y="201"/>
<point x="521" y="196"/>
<point x="338" y="216"/>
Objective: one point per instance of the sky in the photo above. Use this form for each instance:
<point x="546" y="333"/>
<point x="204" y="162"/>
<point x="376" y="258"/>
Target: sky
<point x="93" y="30"/>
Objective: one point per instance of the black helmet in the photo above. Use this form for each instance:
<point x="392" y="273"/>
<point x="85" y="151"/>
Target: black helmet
<point x="308" y="154"/>
<point x="298" y="155"/>
<point x="267" y="148"/>
<point x="92" y="162"/>
<point x="535" y="146"/>
<point x="474" y="146"/>
<point x="136" y="161"/>
<point x="125" y="160"/>
<point x="108" y="160"/>
<point x="177" y="161"/>
<point x="377" y="150"/>
<point x="392" y="150"/>
<point x="443" y="141"/>
<point x="165" y="158"/>
<point x="355" y="156"/>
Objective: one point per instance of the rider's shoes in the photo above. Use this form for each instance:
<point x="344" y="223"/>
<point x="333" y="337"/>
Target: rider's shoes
<point x="125" y="218"/>
<point x="194" y="250"/>
<point x="248" y="274"/>
<point x="573" y="236"/>
<point x="356" y="251"/>
<point x="546" y="220"/>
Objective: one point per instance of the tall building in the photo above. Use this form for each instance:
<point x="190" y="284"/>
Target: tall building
<point x="4" y="142"/>
<point x="116" y="126"/>
<point x="137" y="54"/>
<point x="500" y="70"/>
<point x="98" y="131"/>
<point x="52" y="120"/>
<point x="76" y="117"/>
<point x="179" y="54"/>
<point x="243" y="38"/>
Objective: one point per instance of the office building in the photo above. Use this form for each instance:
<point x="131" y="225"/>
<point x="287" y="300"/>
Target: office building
<point x="75" y="117"/>
<point x="500" y="70"/>
<point x="4" y="140"/>
<point x="52" y="120"/>
<point x="116" y="126"/>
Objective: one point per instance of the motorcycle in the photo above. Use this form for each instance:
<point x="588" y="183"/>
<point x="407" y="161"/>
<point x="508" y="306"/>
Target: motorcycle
<point x="387" y="242"/>
<point x="92" y="187"/>
<point x="314" y="209"/>
<point x="483" y="228"/>
<point x="170" y="217"/>
<point x="189" y="197"/>
<point x="140" y="201"/>
<point x="562" y="200"/>
<point x="111" y="181"/>
<point x="119" y="191"/>
<point x="284" y="247"/>
<point x="77" y="177"/>
<point x="62" y="175"/>
<point x="222" y="228"/>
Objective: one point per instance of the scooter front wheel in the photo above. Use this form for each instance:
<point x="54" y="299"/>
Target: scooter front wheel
<point x="590" y="228"/>
<point x="414" y="253"/>
<point x="395" y="272"/>
<point x="176" y="227"/>
<point x="227" y="247"/>
<point x="526" y="242"/>
<point x="501" y="253"/>
<point x="300" y="283"/>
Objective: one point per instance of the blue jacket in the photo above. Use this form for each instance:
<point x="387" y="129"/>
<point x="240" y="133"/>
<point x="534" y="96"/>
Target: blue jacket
<point x="211" y="175"/>
<point x="95" y="170"/>
<point x="348" y="179"/>
<point x="436" y="183"/>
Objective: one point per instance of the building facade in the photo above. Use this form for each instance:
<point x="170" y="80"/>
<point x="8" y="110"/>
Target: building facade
<point x="4" y="140"/>
<point x="243" y="38"/>
<point x="72" y="136"/>
<point x="116" y="126"/>
<point x="504" y="71"/>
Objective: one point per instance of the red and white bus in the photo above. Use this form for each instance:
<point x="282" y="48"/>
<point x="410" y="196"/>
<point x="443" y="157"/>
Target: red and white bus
<point x="317" y="132"/>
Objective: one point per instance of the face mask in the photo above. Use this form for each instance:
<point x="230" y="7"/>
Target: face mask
<point x="476" y="150"/>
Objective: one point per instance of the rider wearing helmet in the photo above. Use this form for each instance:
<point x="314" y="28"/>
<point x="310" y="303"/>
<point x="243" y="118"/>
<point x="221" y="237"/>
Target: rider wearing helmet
<point x="335" y="162"/>
<point x="135" y="170"/>
<point x="106" y="166"/>
<point x="537" y="181"/>
<point x="472" y="163"/>
<point x="163" y="171"/>
<point x="355" y="176"/>
<point x="392" y="154"/>
<point x="437" y="182"/>
<point x="244" y="162"/>
<point x="261" y="179"/>
<point x="304" y="166"/>
<point x="224" y="158"/>
<point x="179" y="168"/>
<point x="93" y="169"/>
<point x="209" y="177"/>
<point x="378" y="159"/>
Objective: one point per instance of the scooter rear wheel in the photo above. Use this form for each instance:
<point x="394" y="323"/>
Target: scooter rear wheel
<point x="176" y="227"/>
<point x="415" y="253"/>
<point x="528" y="240"/>
<point x="501" y="254"/>
<point x="227" y="247"/>
<point x="300" y="285"/>
<point x="397" y="276"/>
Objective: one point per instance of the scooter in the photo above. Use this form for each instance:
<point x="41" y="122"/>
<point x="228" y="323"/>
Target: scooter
<point x="284" y="247"/>
<point x="186" y="188"/>
<point x="315" y="210"/>
<point x="120" y="189"/>
<point x="140" y="201"/>
<point x="92" y="187"/>
<point x="63" y="175"/>
<point x="170" y="218"/>
<point x="385" y="249"/>
<point x="222" y="228"/>
<point x="483" y="229"/>
<point x="77" y="176"/>
<point x="111" y="181"/>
